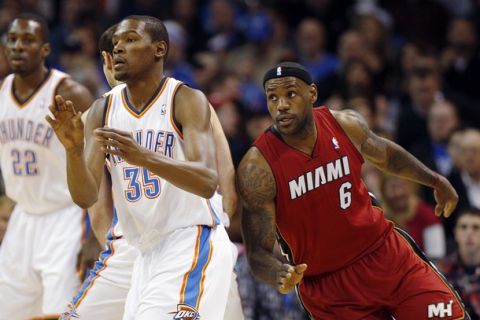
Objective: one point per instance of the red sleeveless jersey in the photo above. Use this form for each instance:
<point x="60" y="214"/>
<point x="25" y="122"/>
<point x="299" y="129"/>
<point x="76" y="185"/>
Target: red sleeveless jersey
<point x="324" y="213"/>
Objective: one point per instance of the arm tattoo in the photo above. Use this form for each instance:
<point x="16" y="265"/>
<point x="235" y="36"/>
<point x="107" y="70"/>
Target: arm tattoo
<point x="256" y="185"/>
<point x="257" y="189"/>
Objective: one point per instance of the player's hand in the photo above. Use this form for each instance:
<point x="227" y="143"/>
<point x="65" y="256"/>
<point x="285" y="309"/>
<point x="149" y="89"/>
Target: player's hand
<point x="446" y="198"/>
<point x="122" y="144"/>
<point x="289" y="276"/>
<point x="67" y="124"/>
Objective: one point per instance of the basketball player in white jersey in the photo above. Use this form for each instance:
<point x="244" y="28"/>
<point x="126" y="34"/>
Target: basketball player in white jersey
<point x="158" y="137"/>
<point x="103" y="294"/>
<point x="38" y="255"/>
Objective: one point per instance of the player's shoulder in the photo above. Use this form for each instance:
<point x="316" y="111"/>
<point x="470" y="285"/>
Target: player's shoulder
<point x="253" y="158"/>
<point x="115" y="90"/>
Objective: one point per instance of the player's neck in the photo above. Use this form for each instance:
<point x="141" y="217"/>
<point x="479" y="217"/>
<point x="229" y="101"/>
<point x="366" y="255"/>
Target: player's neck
<point x="141" y="90"/>
<point x="305" y="139"/>
<point x="25" y="83"/>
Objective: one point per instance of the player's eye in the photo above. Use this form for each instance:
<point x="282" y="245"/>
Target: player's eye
<point x="292" y="94"/>
<point x="272" y="97"/>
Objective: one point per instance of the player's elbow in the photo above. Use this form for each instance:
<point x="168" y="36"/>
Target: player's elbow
<point x="210" y="185"/>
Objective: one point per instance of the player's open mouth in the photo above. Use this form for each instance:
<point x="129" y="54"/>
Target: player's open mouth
<point x="285" y="120"/>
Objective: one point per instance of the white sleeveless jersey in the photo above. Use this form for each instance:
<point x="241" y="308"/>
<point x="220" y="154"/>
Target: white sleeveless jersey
<point x="148" y="206"/>
<point x="33" y="160"/>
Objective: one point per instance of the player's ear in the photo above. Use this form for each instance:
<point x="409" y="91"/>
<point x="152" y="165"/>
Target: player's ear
<point x="45" y="50"/>
<point x="161" y="50"/>
<point x="313" y="93"/>
<point x="107" y="60"/>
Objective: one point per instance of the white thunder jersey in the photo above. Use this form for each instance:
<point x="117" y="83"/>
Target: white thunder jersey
<point x="33" y="160"/>
<point x="148" y="206"/>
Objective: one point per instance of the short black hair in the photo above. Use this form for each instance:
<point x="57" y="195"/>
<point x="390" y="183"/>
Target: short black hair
<point x="38" y="19"/>
<point x="105" y="42"/>
<point x="155" y="28"/>
<point x="470" y="211"/>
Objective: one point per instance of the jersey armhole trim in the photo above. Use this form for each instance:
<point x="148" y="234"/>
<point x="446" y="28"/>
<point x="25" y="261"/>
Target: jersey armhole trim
<point x="106" y="109"/>
<point x="355" y="150"/>
<point x="175" y="124"/>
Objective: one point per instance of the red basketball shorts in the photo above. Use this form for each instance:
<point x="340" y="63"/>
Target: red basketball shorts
<point x="394" y="280"/>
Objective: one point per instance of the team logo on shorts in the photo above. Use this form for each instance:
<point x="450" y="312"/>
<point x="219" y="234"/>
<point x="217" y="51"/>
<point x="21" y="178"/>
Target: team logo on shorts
<point x="185" y="312"/>
<point x="440" y="310"/>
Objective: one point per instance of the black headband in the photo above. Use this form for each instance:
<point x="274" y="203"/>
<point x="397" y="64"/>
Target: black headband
<point x="291" y="70"/>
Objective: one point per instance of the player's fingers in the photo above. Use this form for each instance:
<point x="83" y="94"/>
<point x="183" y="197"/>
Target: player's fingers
<point x="299" y="269"/>
<point x="449" y="207"/>
<point x="116" y="152"/>
<point x="119" y="132"/>
<point x="288" y="268"/>
<point x="112" y="135"/>
<point x="438" y="209"/>
<point x="59" y="102"/>
<point x="109" y="143"/>
<point x="53" y="109"/>
<point x="50" y="120"/>
<point x="69" y="106"/>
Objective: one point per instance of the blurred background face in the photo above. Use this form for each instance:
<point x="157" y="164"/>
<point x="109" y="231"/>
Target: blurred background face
<point x="408" y="57"/>
<point x="358" y="75"/>
<point x="424" y="81"/>
<point x="396" y="194"/>
<point x="310" y="38"/>
<point x="471" y="152"/>
<point x="372" y="29"/>
<point x="467" y="235"/>
<point x="461" y="35"/>
<point x="352" y="46"/>
<point x="455" y="149"/>
<point x="442" y="121"/>
<point x="25" y="49"/>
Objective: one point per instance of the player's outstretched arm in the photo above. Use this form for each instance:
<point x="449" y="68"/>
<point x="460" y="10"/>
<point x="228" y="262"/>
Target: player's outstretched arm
<point x="226" y="170"/>
<point x="84" y="162"/>
<point x="197" y="174"/>
<point x="392" y="158"/>
<point x="256" y="185"/>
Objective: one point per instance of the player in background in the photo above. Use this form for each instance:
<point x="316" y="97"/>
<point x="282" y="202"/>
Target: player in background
<point x="38" y="256"/>
<point x="156" y="133"/>
<point x="301" y="183"/>
<point x="103" y="294"/>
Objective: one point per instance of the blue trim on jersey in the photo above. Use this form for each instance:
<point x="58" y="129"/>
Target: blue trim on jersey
<point x="192" y="289"/>
<point x="215" y="215"/>
<point x="93" y="273"/>
<point x="110" y="236"/>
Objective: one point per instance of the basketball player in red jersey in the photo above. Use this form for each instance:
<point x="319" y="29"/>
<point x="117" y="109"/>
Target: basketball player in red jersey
<point x="301" y="182"/>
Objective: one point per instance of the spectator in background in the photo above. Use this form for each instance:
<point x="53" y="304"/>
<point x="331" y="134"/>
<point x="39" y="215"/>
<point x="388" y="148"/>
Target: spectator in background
<point x="424" y="90"/>
<point x="220" y="23"/>
<point x="467" y="180"/>
<point x="455" y="150"/>
<point x="176" y="65"/>
<point x="462" y="268"/>
<point x="460" y="59"/>
<point x="412" y="214"/>
<point x="311" y="47"/>
<point x="432" y="150"/>
<point x="262" y="302"/>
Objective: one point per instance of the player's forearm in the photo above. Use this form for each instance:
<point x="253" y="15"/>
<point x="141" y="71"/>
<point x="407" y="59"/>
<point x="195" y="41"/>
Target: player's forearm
<point x="194" y="177"/>
<point x="225" y="168"/>
<point x="228" y="191"/>
<point x="401" y="163"/>
<point x="81" y="182"/>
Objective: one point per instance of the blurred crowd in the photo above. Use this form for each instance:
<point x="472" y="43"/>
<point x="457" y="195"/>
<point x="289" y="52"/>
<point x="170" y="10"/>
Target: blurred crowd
<point x="411" y="68"/>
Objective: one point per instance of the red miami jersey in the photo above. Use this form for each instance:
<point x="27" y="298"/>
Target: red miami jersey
<point x="324" y="213"/>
